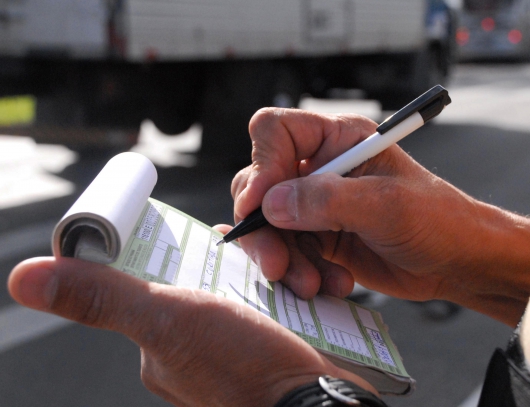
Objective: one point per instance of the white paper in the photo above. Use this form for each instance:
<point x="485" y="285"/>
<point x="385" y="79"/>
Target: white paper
<point x="111" y="204"/>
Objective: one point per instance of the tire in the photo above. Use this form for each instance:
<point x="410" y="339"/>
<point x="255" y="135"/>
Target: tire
<point x="420" y="72"/>
<point x="287" y="88"/>
<point x="234" y="92"/>
<point x="430" y="69"/>
<point x="174" y="96"/>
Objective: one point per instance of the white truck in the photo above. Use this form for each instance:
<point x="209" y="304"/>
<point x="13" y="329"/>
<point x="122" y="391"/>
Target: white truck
<point x="109" y="64"/>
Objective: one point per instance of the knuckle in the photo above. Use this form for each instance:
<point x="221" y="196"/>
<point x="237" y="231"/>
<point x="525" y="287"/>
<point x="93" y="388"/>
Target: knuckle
<point x="240" y="181"/>
<point x="170" y="322"/>
<point x="326" y="195"/>
<point x="89" y="305"/>
<point x="389" y="196"/>
<point x="153" y="337"/>
<point x="356" y="124"/>
<point x="265" y="118"/>
<point x="323" y="198"/>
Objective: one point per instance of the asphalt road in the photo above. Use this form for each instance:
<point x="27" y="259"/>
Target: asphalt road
<point x="480" y="143"/>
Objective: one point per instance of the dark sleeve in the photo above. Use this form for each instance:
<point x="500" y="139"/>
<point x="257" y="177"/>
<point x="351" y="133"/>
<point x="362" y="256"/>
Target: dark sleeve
<point x="507" y="382"/>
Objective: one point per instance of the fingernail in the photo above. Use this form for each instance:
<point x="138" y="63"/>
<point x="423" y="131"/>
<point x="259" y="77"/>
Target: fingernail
<point x="37" y="288"/>
<point x="257" y="259"/>
<point x="282" y="203"/>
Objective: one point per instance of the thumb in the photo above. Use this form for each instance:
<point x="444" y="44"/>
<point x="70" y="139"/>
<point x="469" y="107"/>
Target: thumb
<point x="97" y="296"/>
<point x="329" y="202"/>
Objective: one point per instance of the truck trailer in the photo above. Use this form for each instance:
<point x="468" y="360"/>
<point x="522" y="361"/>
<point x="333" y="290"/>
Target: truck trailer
<point x="101" y="67"/>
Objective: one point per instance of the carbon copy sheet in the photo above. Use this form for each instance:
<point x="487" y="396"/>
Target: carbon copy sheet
<point x="170" y="247"/>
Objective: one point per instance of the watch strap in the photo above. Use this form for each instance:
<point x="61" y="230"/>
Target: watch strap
<point x="330" y="392"/>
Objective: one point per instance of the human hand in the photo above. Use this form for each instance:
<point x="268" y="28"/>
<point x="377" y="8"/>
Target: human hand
<point x="197" y="349"/>
<point x="390" y="224"/>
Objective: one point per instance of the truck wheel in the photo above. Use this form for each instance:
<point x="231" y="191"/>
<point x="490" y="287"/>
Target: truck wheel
<point x="288" y="87"/>
<point x="174" y="95"/>
<point x="420" y="72"/>
<point x="430" y="68"/>
<point x="233" y="93"/>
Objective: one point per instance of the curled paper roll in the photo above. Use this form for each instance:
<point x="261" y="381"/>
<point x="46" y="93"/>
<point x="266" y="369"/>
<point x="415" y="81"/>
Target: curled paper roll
<point x="99" y="223"/>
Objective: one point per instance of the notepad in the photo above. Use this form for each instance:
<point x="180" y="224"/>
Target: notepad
<point x="115" y="222"/>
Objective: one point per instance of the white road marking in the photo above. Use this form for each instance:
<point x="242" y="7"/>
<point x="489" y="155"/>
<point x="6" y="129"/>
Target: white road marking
<point x="472" y="399"/>
<point x="169" y="150"/>
<point x="24" y="167"/>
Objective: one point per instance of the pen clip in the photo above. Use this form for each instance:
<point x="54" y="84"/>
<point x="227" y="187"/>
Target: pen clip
<point x="429" y="105"/>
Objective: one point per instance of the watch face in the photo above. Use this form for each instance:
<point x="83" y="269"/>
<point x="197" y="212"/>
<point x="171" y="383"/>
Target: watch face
<point x="348" y="393"/>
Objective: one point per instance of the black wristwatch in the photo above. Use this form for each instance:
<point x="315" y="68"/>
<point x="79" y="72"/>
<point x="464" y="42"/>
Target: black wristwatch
<point x="330" y="392"/>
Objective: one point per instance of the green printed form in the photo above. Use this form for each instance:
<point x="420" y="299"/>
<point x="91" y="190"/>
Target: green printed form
<point x="170" y="247"/>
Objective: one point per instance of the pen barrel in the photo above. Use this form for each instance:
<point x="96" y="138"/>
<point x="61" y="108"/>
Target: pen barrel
<point x="252" y="222"/>
<point x="371" y="146"/>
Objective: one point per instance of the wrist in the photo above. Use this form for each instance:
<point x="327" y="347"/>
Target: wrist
<point x="494" y="275"/>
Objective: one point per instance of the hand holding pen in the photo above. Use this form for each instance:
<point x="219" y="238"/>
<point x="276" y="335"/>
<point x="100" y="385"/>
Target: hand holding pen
<point x="380" y="218"/>
<point x="396" y="127"/>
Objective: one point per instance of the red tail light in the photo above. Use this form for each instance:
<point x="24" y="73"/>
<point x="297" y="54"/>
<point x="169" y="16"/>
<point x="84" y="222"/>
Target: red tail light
<point x="488" y="24"/>
<point x="462" y="36"/>
<point x="515" y="36"/>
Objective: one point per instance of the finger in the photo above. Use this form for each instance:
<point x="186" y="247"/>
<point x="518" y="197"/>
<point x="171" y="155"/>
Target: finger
<point x="81" y="294"/>
<point x="240" y="181"/>
<point x="301" y="275"/>
<point x="102" y="297"/>
<point x="284" y="136"/>
<point x="288" y="143"/>
<point x="224" y="229"/>
<point x="336" y="280"/>
<point x="267" y="249"/>
<point x="331" y="202"/>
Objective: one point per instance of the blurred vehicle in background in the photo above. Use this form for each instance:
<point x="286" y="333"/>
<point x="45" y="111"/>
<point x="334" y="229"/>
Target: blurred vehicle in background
<point x="109" y="64"/>
<point x="441" y="23"/>
<point x="494" y="29"/>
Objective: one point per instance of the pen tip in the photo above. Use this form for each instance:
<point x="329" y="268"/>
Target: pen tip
<point x="220" y="242"/>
